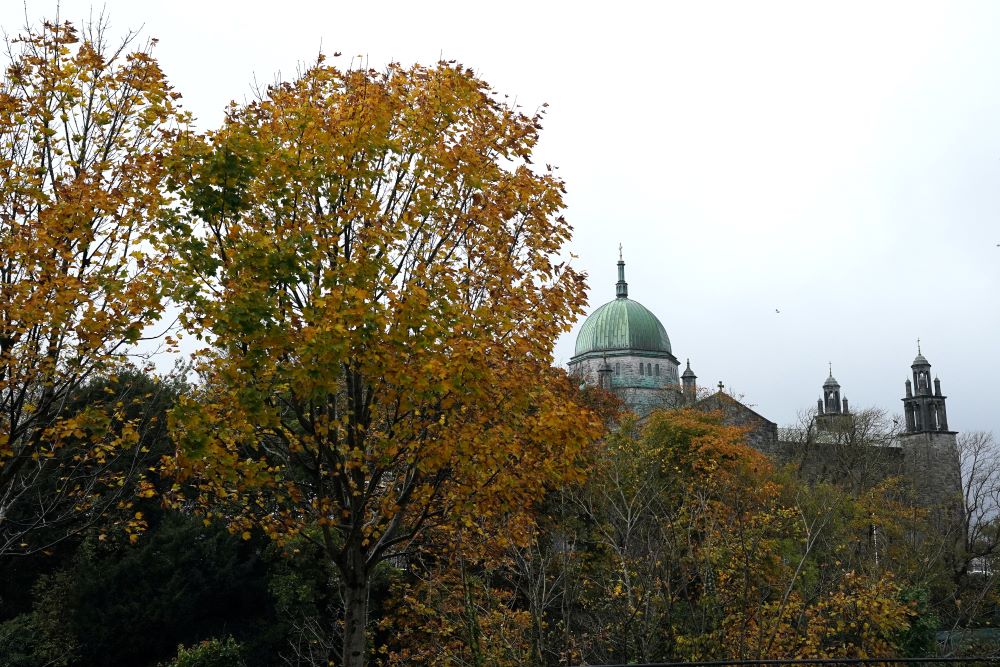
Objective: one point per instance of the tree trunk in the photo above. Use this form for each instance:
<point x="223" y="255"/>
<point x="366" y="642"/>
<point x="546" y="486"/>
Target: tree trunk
<point x="472" y="621"/>
<point x="355" y="617"/>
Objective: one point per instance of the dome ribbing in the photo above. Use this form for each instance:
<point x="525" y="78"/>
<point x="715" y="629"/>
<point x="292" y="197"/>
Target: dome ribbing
<point x="622" y="324"/>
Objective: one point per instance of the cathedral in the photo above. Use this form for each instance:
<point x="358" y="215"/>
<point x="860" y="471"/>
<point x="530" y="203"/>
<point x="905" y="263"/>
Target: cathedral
<point x="624" y="348"/>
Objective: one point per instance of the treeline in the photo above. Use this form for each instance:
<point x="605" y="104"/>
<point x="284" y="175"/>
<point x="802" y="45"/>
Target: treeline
<point x="371" y="459"/>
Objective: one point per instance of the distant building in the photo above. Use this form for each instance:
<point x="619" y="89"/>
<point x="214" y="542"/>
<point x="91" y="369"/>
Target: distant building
<point x="622" y="346"/>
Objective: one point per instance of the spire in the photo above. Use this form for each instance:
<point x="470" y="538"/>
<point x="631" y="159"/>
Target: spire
<point x="831" y="403"/>
<point x="830" y="380"/>
<point x="621" y="289"/>
<point x="924" y="403"/>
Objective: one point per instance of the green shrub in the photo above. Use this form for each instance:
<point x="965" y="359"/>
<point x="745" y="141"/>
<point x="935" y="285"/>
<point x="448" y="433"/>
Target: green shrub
<point x="210" y="653"/>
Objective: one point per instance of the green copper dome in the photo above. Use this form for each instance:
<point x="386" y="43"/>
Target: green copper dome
<point x="622" y="324"/>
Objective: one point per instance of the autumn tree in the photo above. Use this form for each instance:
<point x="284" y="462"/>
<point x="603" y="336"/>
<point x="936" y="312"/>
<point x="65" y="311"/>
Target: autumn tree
<point x="685" y="543"/>
<point x="488" y="598"/>
<point x="374" y="264"/>
<point x="84" y="127"/>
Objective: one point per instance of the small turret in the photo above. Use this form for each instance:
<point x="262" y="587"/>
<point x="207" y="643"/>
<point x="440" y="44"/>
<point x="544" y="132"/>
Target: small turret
<point x="688" y="385"/>
<point x="604" y="372"/>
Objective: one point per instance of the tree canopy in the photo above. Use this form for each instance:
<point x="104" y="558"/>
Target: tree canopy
<point x="375" y="266"/>
<point x="85" y="126"/>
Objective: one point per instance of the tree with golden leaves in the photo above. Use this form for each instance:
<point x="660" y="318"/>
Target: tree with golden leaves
<point x="684" y="543"/>
<point x="374" y="264"/>
<point x="84" y="128"/>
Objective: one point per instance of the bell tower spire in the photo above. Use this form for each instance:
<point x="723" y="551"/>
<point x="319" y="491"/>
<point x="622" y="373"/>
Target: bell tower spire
<point x="621" y="288"/>
<point x="832" y="411"/>
<point x="924" y="404"/>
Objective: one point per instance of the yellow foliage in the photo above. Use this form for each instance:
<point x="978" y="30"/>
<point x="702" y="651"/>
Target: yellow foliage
<point x="376" y="266"/>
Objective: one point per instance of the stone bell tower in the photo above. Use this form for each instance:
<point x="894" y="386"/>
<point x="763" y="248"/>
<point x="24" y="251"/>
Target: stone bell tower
<point x="930" y="449"/>
<point x="832" y="411"/>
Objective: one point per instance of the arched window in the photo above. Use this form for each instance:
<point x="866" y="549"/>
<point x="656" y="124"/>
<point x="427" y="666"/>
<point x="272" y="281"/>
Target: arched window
<point x="657" y="370"/>
<point x="642" y="368"/>
<point x="649" y="369"/>
<point x="618" y="368"/>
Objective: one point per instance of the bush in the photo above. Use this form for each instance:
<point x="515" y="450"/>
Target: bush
<point x="210" y="653"/>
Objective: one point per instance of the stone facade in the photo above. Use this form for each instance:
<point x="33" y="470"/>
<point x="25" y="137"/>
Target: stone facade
<point x="659" y="371"/>
<point x="645" y="381"/>
<point x="931" y="461"/>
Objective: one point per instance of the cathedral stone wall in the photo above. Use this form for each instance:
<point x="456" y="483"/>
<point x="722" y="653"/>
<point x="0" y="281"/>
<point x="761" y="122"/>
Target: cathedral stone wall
<point x="856" y="467"/>
<point x="625" y="370"/>
<point x="655" y="386"/>
<point x="642" y="401"/>
<point x="927" y="462"/>
<point x="932" y="462"/>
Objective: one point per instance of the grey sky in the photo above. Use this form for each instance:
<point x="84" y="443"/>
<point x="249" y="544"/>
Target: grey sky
<point x="839" y="162"/>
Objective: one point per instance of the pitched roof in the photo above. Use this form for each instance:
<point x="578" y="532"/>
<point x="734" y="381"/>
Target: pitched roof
<point x="721" y="400"/>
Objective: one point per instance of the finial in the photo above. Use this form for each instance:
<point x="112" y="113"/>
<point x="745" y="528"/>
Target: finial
<point x="689" y="364"/>
<point x="830" y="365"/>
<point x="721" y="386"/>
<point x="621" y="289"/>
<point x="918" y="347"/>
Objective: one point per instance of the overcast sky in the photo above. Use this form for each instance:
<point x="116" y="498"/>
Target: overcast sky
<point x="839" y="162"/>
